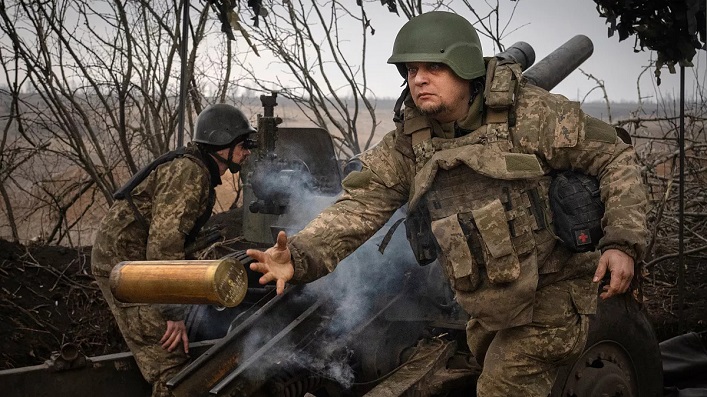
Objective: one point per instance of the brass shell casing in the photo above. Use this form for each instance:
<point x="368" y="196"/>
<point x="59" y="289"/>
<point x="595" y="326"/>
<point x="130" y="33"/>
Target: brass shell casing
<point x="223" y="282"/>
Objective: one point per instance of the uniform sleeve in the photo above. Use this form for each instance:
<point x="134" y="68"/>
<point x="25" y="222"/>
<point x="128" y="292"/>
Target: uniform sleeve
<point x="370" y="197"/>
<point x="181" y="193"/>
<point x="174" y="312"/>
<point x="573" y="140"/>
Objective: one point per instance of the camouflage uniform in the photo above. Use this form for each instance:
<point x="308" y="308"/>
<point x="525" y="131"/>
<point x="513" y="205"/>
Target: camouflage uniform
<point x="172" y="201"/>
<point x="485" y="183"/>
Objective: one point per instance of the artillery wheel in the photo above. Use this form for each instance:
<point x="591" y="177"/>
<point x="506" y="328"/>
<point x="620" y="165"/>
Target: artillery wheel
<point x="622" y="357"/>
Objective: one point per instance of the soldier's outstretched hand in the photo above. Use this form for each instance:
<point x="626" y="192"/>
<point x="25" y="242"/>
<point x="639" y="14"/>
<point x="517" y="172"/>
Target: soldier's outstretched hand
<point x="275" y="263"/>
<point x="620" y="265"/>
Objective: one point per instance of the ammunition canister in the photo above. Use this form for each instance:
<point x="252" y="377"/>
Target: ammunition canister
<point x="223" y="282"/>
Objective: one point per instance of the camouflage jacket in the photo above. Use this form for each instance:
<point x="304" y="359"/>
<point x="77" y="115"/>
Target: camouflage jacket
<point x="555" y="135"/>
<point x="170" y="200"/>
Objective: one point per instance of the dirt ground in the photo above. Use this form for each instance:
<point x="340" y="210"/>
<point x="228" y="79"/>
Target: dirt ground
<point x="662" y="296"/>
<point x="48" y="298"/>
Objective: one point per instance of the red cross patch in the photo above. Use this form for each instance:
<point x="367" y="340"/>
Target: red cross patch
<point x="582" y="237"/>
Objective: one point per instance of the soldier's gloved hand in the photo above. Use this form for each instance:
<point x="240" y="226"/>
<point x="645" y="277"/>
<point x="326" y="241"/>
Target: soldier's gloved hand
<point x="620" y="265"/>
<point x="275" y="263"/>
<point x="176" y="333"/>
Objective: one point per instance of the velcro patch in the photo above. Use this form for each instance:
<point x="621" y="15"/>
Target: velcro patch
<point x="582" y="237"/>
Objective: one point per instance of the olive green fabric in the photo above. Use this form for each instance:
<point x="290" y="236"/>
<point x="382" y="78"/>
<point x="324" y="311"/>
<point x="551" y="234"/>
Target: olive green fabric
<point x="597" y="130"/>
<point x="441" y="37"/>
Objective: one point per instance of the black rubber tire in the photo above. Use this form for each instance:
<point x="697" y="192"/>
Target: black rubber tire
<point x="619" y="326"/>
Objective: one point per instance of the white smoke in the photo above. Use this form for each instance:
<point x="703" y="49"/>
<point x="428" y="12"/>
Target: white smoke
<point x="351" y="292"/>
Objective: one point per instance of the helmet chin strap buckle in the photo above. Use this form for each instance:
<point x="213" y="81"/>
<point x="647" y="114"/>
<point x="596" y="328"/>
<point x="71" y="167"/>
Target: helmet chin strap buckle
<point x="230" y="164"/>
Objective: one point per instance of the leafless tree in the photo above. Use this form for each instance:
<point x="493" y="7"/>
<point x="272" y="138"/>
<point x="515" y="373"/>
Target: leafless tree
<point x="655" y="135"/>
<point x="96" y="85"/>
<point x="324" y="66"/>
<point x="100" y="82"/>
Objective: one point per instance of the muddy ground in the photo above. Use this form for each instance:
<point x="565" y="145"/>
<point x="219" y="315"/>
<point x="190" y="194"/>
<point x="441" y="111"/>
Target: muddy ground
<point x="48" y="298"/>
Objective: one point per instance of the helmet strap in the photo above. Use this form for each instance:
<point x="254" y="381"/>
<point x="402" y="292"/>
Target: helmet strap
<point x="232" y="166"/>
<point x="397" y="110"/>
<point x="477" y="86"/>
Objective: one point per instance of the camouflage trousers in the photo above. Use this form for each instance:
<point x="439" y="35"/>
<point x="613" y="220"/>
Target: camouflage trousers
<point x="525" y="360"/>
<point x="142" y="327"/>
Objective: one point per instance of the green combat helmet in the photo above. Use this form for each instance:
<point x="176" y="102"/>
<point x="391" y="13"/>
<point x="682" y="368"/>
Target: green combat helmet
<point x="441" y="37"/>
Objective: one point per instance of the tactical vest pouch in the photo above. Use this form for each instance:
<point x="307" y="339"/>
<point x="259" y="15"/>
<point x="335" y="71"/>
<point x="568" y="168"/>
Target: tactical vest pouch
<point x="577" y="210"/>
<point x="499" y="92"/>
<point x="502" y="306"/>
<point x="503" y="265"/>
<point x="462" y="270"/>
<point x="417" y="229"/>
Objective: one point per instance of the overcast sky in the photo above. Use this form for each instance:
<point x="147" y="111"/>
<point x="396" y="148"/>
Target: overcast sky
<point x="545" y="25"/>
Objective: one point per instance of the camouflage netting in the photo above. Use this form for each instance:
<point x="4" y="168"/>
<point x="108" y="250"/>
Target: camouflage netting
<point x="674" y="29"/>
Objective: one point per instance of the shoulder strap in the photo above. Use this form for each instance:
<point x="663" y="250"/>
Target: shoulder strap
<point x="502" y="83"/>
<point x="127" y="188"/>
<point x="124" y="193"/>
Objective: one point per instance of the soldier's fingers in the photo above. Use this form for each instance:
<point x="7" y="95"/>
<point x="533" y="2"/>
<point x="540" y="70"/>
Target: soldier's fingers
<point x="266" y="278"/>
<point x="281" y="240"/>
<point x="168" y="342"/>
<point x="167" y="333"/>
<point x="615" y="284"/>
<point x="185" y="341"/>
<point x="175" y="343"/>
<point x="256" y="254"/>
<point x="280" y="287"/>
<point x="601" y="269"/>
<point x="259" y="267"/>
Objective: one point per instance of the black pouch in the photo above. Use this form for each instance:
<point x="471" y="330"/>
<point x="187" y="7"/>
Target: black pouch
<point x="419" y="234"/>
<point x="577" y="210"/>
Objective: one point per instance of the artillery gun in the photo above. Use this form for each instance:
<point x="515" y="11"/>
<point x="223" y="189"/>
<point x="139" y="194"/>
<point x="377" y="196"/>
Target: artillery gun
<point x="381" y="325"/>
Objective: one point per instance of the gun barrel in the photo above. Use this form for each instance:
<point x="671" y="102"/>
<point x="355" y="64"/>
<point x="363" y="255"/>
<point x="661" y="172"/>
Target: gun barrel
<point x="221" y="282"/>
<point x="520" y="52"/>
<point x="552" y="69"/>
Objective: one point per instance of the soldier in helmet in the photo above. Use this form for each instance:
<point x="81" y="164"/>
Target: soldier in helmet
<point x="159" y="211"/>
<point x="473" y="155"/>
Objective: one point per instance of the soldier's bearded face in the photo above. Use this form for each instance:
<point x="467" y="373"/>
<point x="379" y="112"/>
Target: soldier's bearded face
<point x="437" y="91"/>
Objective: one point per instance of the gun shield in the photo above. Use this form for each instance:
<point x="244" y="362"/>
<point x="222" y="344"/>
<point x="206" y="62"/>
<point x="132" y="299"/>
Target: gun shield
<point x="223" y="282"/>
